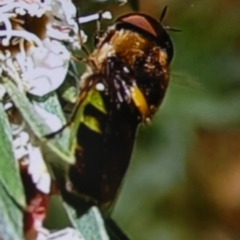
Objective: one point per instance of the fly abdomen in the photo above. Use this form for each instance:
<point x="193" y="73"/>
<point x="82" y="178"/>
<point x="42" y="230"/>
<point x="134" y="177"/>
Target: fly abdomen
<point x="102" y="156"/>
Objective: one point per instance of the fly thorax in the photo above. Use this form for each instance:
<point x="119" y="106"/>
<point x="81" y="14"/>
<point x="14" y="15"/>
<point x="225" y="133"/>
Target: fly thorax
<point x="100" y="54"/>
<point x="130" y="45"/>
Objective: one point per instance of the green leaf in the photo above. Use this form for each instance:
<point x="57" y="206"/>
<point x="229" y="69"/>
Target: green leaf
<point x="90" y="225"/>
<point x="11" y="190"/>
<point x="11" y="217"/>
<point x="9" y="171"/>
<point x="51" y="104"/>
<point x="56" y="145"/>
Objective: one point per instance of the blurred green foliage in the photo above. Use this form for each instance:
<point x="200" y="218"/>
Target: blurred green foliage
<point x="158" y="195"/>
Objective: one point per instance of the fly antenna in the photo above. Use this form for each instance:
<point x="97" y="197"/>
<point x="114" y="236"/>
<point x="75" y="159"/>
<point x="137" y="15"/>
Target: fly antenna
<point x="163" y="14"/>
<point x="172" y="29"/>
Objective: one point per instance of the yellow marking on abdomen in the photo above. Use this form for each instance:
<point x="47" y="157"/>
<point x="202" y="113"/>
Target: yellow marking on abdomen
<point x="140" y="101"/>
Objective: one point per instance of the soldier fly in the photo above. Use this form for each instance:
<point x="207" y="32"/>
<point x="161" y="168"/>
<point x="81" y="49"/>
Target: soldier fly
<point x="125" y="81"/>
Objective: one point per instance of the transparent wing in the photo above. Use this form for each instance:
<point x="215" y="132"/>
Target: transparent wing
<point x="186" y="81"/>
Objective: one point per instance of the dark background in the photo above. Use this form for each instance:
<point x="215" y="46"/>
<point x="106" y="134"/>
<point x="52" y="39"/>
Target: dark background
<point x="184" y="179"/>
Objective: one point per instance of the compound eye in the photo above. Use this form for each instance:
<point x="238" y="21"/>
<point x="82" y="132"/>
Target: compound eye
<point x="141" y="22"/>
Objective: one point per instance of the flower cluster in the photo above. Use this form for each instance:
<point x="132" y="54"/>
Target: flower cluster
<point x="36" y="37"/>
<point x="32" y="34"/>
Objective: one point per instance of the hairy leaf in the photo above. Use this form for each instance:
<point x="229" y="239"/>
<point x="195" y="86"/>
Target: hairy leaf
<point x="11" y="217"/>
<point x="37" y="125"/>
<point x="9" y="172"/>
<point x="90" y="224"/>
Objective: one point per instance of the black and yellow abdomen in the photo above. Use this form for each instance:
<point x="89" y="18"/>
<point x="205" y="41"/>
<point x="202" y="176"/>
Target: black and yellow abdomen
<point x="105" y="139"/>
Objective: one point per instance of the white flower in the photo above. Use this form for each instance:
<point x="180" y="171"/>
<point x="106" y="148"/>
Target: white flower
<point x="36" y="60"/>
<point x="33" y="160"/>
<point x="62" y="25"/>
<point x="38" y="170"/>
<point x="47" y="68"/>
<point x="31" y="157"/>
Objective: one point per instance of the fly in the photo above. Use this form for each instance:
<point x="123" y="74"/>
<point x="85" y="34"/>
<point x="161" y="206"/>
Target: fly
<point x="125" y="82"/>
